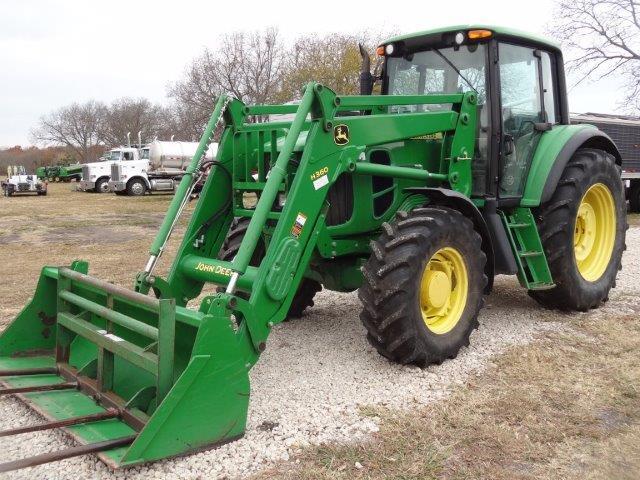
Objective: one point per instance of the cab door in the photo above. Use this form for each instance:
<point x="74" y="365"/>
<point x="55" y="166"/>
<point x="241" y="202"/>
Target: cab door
<point x="527" y="110"/>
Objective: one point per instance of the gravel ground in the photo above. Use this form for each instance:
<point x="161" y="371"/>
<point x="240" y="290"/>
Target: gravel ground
<point x="314" y="378"/>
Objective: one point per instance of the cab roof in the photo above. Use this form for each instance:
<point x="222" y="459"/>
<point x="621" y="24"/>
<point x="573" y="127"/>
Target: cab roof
<point x="498" y="31"/>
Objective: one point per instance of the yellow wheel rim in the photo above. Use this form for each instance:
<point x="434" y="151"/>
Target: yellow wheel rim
<point x="443" y="290"/>
<point x="595" y="232"/>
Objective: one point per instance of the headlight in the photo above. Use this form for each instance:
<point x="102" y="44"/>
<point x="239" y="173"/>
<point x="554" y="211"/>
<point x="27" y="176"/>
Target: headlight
<point x="459" y="38"/>
<point x="389" y="49"/>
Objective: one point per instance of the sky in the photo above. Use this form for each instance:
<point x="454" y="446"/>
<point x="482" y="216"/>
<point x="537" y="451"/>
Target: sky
<point x="55" y="52"/>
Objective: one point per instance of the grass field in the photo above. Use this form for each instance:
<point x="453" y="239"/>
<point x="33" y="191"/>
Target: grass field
<point x="112" y="232"/>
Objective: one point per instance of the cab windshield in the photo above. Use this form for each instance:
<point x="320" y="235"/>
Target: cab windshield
<point x="447" y="70"/>
<point x="112" y="156"/>
<point x="427" y="72"/>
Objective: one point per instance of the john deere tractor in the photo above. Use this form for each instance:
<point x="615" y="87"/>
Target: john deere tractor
<point x="464" y="167"/>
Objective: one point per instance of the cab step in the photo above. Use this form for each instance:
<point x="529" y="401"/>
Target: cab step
<point x="533" y="269"/>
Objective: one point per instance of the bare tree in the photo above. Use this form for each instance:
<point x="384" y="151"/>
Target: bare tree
<point x="74" y="126"/>
<point x="333" y="60"/>
<point x="603" y="38"/>
<point x="132" y="115"/>
<point x="246" y="65"/>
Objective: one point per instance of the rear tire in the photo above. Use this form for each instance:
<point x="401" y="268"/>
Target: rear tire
<point x="136" y="188"/>
<point x="395" y="312"/>
<point x="307" y="289"/>
<point x="589" y="170"/>
<point x="634" y="197"/>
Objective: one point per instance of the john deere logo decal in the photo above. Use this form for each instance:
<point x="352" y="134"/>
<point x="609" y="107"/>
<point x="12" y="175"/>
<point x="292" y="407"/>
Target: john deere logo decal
<point x="341" y="134"/>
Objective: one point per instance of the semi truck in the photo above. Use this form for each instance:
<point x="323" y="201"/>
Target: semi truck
<point x="624" y="130"/>
<point x="96" y="175"/>
<point x="160" y="168"/>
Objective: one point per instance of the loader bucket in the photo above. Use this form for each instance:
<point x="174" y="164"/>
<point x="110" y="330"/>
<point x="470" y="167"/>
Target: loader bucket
<point x="130" y="377"/>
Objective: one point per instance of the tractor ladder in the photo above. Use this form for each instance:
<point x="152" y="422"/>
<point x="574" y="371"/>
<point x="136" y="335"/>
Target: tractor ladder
<point x="533" y="269"/>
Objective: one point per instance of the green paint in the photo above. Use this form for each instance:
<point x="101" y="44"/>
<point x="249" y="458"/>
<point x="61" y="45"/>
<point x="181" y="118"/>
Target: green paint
<point x="550" y="145"/>
<point x="533" y="269"/>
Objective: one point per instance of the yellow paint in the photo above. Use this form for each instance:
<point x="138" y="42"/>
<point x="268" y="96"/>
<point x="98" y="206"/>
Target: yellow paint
<point x="443" y="290"/>
<point x="203" y="267"/>
<point x="595" y="232"/>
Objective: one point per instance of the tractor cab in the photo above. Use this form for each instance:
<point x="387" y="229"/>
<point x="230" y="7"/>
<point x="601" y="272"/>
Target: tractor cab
<point x="519" y="82"/>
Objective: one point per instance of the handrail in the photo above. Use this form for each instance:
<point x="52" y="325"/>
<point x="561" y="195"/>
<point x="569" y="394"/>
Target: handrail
<point x="364" y="101"/>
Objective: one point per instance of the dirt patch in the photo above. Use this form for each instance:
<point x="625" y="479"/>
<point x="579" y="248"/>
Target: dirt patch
<point x="7" y="238"/>
<point x="91" y="235"/>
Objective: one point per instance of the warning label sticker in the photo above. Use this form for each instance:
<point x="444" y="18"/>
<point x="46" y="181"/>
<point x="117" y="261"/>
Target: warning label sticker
<point x="298" y="225"/>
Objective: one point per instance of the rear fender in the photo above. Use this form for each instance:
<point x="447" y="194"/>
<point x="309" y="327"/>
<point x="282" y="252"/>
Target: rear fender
<point x="554" y="151"/>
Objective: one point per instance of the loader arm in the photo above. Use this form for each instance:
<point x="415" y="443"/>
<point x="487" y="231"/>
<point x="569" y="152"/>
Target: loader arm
<point x="140" y="378"/>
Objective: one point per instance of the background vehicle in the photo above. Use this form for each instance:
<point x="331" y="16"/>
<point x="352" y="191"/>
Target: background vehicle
<point x="625" y="132"/>
<point x="96" y="175"/>
<point x="160" y="167"/>
<point x="466" y="166"/>
<point x="19" y="182"/>
<point x="60" y="173"/>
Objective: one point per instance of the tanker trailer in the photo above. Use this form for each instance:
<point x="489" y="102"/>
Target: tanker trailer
<point x="160" y="168"/>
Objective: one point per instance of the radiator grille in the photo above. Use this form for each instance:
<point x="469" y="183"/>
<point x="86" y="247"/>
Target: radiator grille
<point x="115" y="172"/>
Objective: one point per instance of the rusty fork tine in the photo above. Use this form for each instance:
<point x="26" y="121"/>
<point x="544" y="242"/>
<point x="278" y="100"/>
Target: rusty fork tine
<point x="67" y="422"/>
<point x="67" y="453"/>
<point x="28" y="371"/>
<point x="39" y="388"/>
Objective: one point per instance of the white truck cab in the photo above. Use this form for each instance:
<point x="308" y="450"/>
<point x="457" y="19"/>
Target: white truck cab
<point x="160" y="167"/>
<point x="96" y="175"/>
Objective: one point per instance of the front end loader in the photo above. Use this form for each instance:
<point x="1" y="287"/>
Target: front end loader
<point x="413" y="197"/>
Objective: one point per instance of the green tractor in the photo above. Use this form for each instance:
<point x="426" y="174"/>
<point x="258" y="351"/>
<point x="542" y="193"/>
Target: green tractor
<point x="463" y="168"/>
<point x="60" y="173"/>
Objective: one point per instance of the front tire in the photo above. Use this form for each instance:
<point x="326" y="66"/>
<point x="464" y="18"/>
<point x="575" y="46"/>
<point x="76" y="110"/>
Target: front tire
<point x="423" y="286"/>
<point x="582" y="228"/>
<point x="136" y="188"/>
<point x="102" y="186"/>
